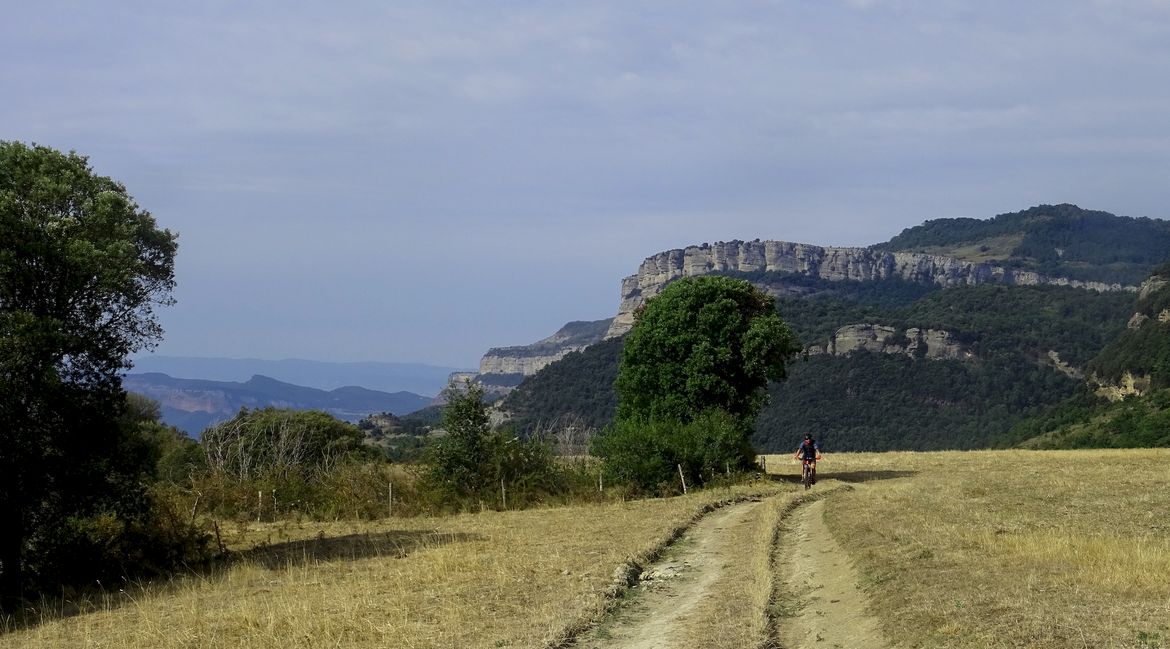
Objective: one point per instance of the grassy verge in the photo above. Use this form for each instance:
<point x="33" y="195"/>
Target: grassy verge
<point x="493" y="579"/>
<point x="1011" y="548"/>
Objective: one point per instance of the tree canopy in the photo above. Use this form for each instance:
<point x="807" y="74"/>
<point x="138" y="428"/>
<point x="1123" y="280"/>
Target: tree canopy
<point x="82" y="270"/>
<point x="703" y="343"/>
<point x="691" y="381"/>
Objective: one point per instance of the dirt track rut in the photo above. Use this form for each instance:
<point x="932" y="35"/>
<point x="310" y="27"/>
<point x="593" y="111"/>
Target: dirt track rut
<point x="671" y="588"/>
<point x="829" y="607"/>
<point x="821" y="603"/>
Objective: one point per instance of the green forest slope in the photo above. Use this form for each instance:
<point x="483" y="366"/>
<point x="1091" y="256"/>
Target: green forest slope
<point x="1002" y="394"/>
<point x="1057" y="240"/>
<point x="1141" y="351"/>
<point x="871" y="401"/>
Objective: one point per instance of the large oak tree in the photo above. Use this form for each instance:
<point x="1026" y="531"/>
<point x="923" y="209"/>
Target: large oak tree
<point x="82" y="271"/>
<point x="692" y="378"/>
<point x="707" y="342"/>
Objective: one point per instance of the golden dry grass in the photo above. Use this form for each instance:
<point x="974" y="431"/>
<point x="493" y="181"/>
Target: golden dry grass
<point x="1011" y="548"/>
<point x="960" y="549"/>
<point x="494" y="579"/>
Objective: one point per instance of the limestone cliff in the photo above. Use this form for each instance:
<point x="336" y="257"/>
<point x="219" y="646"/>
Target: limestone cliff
<point x="527" y="360"/>
<point x="933" y="344"/>
<point x="829" y="263"/>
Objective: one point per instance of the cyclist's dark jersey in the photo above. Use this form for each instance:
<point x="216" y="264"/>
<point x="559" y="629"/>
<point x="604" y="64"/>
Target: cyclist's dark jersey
<point x="808" y="450"/>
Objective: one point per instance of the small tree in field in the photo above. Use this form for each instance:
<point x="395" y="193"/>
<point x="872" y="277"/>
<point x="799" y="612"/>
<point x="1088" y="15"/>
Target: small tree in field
<point x="472" y="460"/>
<point x="693" y="375"/>
<point x="457" y="460"/>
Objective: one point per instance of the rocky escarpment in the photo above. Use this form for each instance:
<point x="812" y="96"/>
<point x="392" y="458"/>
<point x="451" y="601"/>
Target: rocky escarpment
<point x="527" y="360"/>
<point x="933" y="344"/>
<point x="828" y="263"/>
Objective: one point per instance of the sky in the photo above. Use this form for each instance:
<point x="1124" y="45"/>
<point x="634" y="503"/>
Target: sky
<point x="420" y="181"/>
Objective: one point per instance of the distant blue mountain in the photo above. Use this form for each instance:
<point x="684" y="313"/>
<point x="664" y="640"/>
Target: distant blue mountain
<point x="421" y="379"/>
<point x="194" y="404"/>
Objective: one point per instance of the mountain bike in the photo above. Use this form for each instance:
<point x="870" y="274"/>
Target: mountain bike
<point x="806" y="473"/>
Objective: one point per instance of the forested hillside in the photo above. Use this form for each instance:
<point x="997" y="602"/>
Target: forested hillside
<point x="579" y="386"/>
<point x="1056" y="240"/>
<point x="1137" y="359"/>
<point x="874" y="401"/>
<point x="1024" y="349"/>
<point x="993" y="318"/>
<point x="1143" y="348"/>
<point x="879" y="402"/>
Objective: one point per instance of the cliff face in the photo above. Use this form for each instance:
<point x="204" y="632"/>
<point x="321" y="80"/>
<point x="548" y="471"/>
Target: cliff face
<point x="932" y="344"/>
<point x="529" y="359"/>
<point x="834" y="264"/>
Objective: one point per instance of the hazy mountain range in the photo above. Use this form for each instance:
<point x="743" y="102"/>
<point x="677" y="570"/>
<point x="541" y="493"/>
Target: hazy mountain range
<point x="194" y="404"/>
<point x="427" y="380"/>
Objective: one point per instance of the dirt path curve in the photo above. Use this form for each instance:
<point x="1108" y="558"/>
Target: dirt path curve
<point x="653" y="618"/>
<point x="829" y="608"/>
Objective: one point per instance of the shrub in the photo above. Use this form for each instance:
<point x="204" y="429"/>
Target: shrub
<point x="648" y="453"/>
<point x="472" y="463"/>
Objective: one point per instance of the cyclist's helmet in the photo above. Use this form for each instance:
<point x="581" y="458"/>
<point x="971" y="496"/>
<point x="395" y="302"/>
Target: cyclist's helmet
<point x="808" y="437"/>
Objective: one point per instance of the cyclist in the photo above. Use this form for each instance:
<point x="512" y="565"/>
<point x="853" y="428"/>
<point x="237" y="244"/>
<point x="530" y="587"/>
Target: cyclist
<point x="809" y="452"/>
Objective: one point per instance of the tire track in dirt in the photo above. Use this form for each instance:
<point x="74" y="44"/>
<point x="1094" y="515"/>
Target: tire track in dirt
<point x="654" y="615"/>
<point x="821" y="603"/>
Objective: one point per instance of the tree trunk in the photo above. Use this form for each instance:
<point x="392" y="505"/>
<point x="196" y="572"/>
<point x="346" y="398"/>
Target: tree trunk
<point x="11" y="565"/>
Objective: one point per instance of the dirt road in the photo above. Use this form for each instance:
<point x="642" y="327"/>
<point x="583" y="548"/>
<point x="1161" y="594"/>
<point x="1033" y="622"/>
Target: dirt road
<point x="820" y="585"/>
<point x="656" y="611"/>
<point x="819" y="603"/>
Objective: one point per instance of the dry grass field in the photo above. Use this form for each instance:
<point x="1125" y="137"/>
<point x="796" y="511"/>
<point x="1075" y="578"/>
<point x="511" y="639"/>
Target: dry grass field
<point x="1010" y="548"/>
<point x="1047" y="549"/>
<point x="494" y="579"/>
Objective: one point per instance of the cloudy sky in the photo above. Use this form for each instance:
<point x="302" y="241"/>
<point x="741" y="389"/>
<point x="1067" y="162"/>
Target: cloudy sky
<point x="403" y="181"/>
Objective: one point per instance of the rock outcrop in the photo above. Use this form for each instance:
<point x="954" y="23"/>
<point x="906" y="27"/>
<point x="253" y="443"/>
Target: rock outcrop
<point x="1064" y="368"/>
<point x="829" y="263"/>
<point x="527" y="360"/>
<point x="932" y="344"/>
<point x="1152" y="285"/>
<point x="1130" y="385"/>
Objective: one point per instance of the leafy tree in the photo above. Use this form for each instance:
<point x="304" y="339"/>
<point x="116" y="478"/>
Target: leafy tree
<point x="82" y="270"/>
<point x="173" y="456"/>
<point x="692" y="378"/>
<point x="647" y="453"/>
<point x="471" y="459"/>
<point x="457" y="459"/>
<point x="704" y="342"/>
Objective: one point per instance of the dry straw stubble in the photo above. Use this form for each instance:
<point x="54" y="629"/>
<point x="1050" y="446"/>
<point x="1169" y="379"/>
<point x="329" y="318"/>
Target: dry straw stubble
<point x="494" y="579"/>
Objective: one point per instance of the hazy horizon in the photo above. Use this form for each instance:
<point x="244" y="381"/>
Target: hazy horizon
<point x="418" y="182"/>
